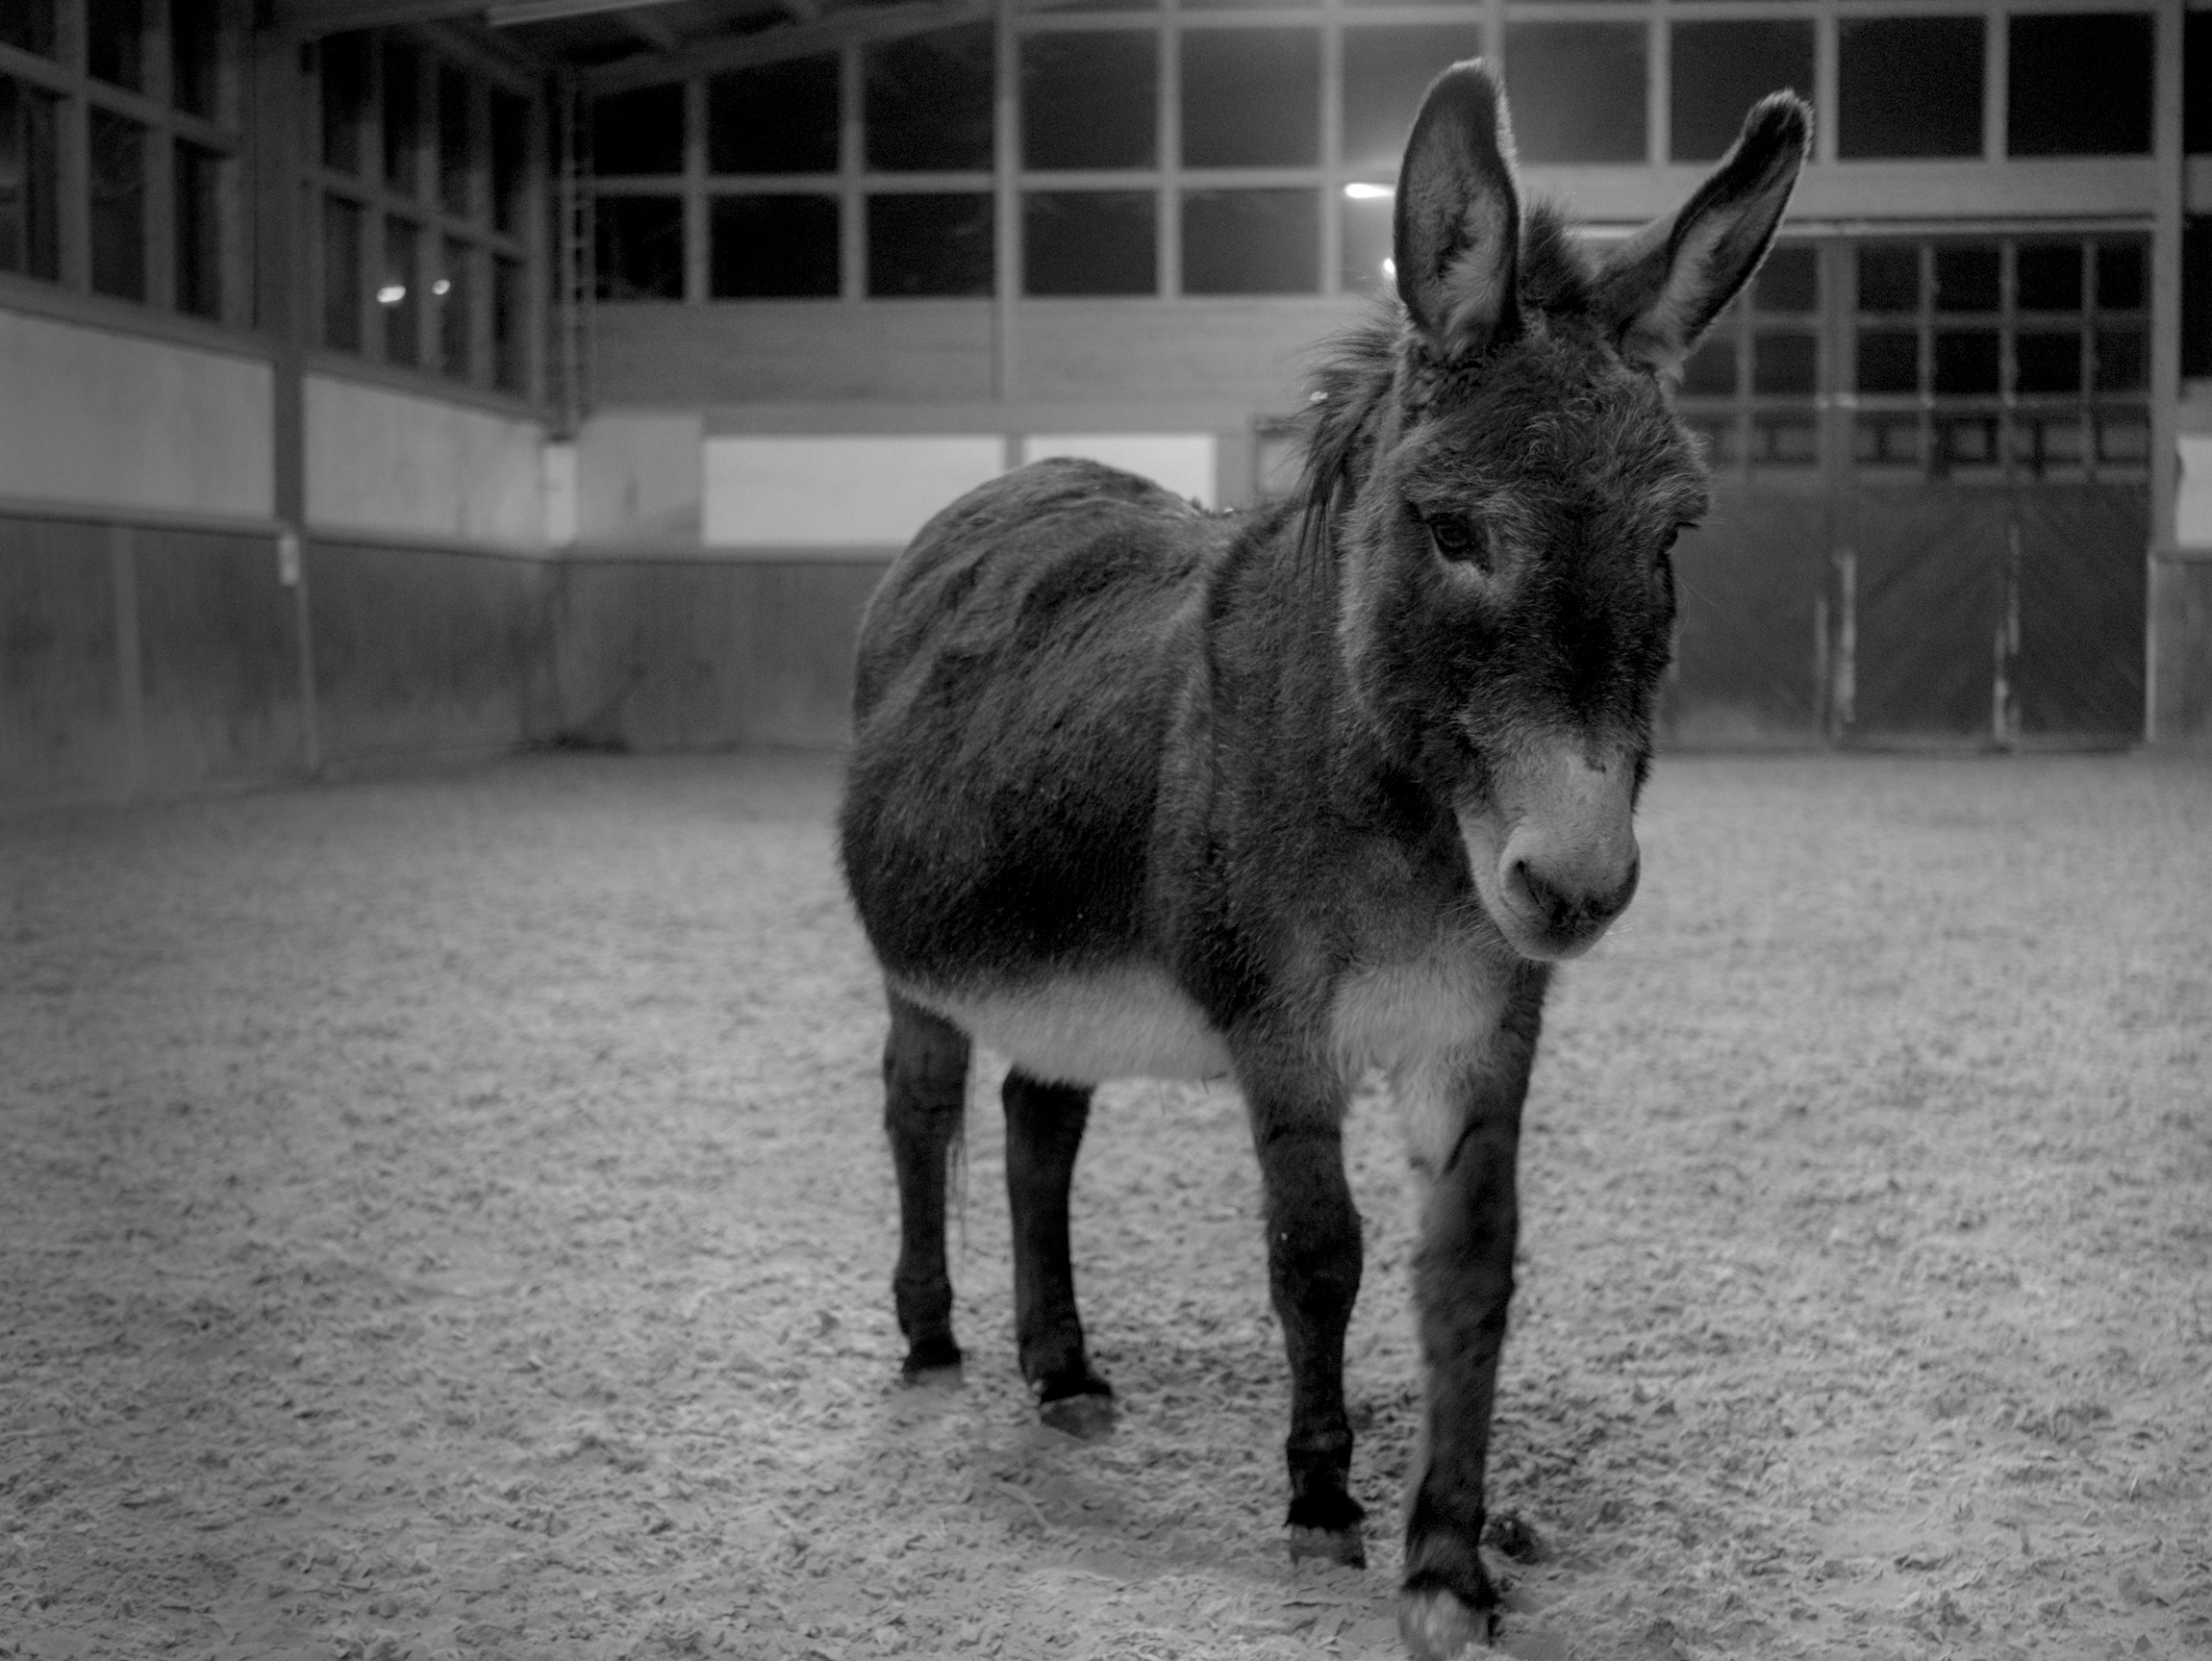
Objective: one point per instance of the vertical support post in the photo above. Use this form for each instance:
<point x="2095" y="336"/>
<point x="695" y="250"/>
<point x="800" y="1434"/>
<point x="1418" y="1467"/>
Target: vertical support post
<point x="130" y="657"/>
<point x="1823" y="668"/>
<point x="1005" y="204"/>
<point x="2166" y="236"/>
<point x="2003" y="692"/>
<point x="1843" y="700"/>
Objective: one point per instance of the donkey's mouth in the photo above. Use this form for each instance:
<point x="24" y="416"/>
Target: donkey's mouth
<point x="1555" y="858"/>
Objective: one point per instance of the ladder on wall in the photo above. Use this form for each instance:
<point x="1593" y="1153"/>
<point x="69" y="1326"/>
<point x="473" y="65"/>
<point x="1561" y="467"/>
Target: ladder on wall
<point x="573" y="256"/>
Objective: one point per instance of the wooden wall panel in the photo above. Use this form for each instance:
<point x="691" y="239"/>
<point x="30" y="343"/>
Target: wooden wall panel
<point x="63" y="732"/>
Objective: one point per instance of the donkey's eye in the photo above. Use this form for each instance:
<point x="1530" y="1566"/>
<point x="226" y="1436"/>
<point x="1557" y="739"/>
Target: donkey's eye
<point x="1459" y="541"/>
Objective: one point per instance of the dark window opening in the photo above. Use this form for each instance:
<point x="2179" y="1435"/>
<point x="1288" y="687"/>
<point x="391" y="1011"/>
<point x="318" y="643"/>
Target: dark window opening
<point x="639" y="132"/>
<point x="2079" y="84"/>
<point x="1251" y="97"/>
<point x="341" y="274"/>
<point x="772" y="247"/>
<point x="637" y="244"/>
<point x="1089" y="243"/>
<point x="28" y="26"/>
<point x="1251" y="243"/>
<point x="2046" y="277"/>
<point x="115" y="42"/>
<point x="454" y="291"/>
<point x="1889" y="360"/>
<point x="1966" y="280"/>
<point x="1908" y="87"/>
<point x="1720" y="69"/>
<point x="1577" y="90"/>
<point x="2196" y="295"/>
<point x="928" y="101"/>
<point x="510" y="312"/>
<point x="776" y="119"/>
<point x="510" y="161"/>
<point x="345" y="76"/>
<point x="1786" y="365"/>
<point x="197" y="180"/>
<point x="398" y="295"/>
<point x="1889" y="277"/>
<point x="2046" y="362"/>
<point x="1711" y="371"/>
<point x="1789" y="281"/>
<point x="30" y="182"/>
<point x="402" y="117"/>
<point x="931" y="244"/>
<point x="1386" y="70"/>
<point x="1089" y="100"/>
<point x="118" y="205"/>
<point x="2120" y="277"/>
<point x="2122" y="365"/>
<point x="1967" y="361"/>
<point x="195" y="36"/>
<point x="456" y="142"/>
<point x="2197" y="83"/>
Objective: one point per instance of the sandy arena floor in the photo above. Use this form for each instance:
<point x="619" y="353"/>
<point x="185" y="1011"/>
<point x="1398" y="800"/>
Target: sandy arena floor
<point x="449" y="1217"/>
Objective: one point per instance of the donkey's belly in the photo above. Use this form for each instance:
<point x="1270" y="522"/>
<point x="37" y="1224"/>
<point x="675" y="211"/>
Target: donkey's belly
<point x="1124" y="1022"/>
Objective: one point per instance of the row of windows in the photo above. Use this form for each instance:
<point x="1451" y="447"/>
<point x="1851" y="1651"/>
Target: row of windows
<point x="130" y="102"/>
<point x="1907" y="87"/>
<point x="424" y="200"/>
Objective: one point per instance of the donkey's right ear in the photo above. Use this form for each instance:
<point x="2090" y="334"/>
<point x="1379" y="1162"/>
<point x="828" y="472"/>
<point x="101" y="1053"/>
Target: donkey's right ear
<point x="1457" y="220"/>
<point x="1667" y="283"/>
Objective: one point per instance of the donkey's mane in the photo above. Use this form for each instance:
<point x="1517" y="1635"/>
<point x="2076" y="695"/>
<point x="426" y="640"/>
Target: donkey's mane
<point x="1358" y="369"/>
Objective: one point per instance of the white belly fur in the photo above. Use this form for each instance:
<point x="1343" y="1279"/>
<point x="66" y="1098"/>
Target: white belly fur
<point x="1124" y="1022"/>
<point x="1426" y="1022"/>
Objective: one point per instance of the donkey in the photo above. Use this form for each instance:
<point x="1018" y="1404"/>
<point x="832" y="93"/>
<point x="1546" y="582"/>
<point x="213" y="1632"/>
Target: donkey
<point x="1294" y="797"/>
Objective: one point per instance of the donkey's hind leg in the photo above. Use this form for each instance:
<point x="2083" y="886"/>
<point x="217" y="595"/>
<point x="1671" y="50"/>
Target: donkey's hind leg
<point x="925" y="1096"/>
<point x="1043" y="1131"/>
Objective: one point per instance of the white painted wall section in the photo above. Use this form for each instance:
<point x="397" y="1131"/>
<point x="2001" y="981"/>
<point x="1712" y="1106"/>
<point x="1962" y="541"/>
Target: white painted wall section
<point x="1184" y="462"/>
<point x="379" y="459"/>
<point x="2193" y="504"/>
<point x="836" y="491"/>
<point x="93" y="417"/>
<point x="639" y="479"/>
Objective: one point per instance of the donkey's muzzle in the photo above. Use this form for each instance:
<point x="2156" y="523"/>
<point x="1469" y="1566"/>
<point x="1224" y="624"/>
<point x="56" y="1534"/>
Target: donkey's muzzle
<point x="1554" y="854"/>
<point x="1568" y="909"/>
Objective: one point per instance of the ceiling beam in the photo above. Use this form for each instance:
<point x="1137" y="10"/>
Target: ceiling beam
<point x="311" y="18"/>
<point x="651" y="30"/>
<point x="508" y="13"/>
<point x="787" y="40"/>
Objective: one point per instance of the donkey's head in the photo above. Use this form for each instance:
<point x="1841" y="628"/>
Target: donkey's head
<point x="1507" y="477"/>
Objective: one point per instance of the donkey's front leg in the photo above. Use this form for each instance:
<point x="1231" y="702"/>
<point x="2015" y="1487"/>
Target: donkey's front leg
<point x="1314" y="1259"/>
<point x="1463" y="1281"/>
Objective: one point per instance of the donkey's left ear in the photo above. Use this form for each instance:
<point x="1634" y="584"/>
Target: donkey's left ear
<point x="1667" y="283"/>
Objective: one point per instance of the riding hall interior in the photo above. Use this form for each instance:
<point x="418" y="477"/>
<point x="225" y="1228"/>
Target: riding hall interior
<point x="389" y="380"/>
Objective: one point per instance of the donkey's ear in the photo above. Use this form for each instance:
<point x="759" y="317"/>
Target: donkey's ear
<point x="1457" y="221"/>
<point x="1670" y="280"/>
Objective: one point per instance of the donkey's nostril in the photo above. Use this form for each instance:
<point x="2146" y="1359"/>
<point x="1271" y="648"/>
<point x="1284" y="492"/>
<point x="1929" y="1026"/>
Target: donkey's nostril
<point x="1562" y="908"/>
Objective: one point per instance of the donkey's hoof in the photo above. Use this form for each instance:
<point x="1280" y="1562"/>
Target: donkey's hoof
<point x="1086" y="1416"/>
<point x="1342" y="1546"/>
<point x="1437" y="1627"/>
<point x="934" y="1364"/>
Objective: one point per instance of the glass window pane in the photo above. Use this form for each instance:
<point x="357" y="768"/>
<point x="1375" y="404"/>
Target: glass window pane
<point x="1966" y="280"/>
<point x="770" y="247"/>
<point x="197" y="176"/>
<point x="453" y="289"/>
<point x="509" y="327"/>
<point x="2078" y="83"/>
<point x="118" y="205"/>
<point x="1251" y="243"/>
<point x="456" y="142"/>
<point x="2120" y="360"/>
<point x="2197" y="83"/>
<point x="1966" y="361"/>
<point x="402" y="117"/>
<point x="1789" y="281"/>
<point x="639" y="132"/>
<point x="1784" y="439"/>
<point x="2196" y="294"/>
<point x="1089" y="243"/>
<point x="1385" y="71"/>
<point x="1889" y="360"/>
<point x="1711" y="371"/>
<point x="1888" y="441"/>
<point x="115" y="42"/>
<point x="1720" y="69"/>
<point x="776" y="119"/>
<point x="638" y="247"/>
<point x="1366" y="245"/>
<point x="341" y="274"/>
<point x="510" y="160"/>
<point x="2046" y="444"/>
<point x="30" y="181"/>
<point x="2046" y="277"/>
<point x="195" y="33"/>
<point x="1786" y="364"/>
<point x="1889" y="277"/>
<point x="1908" y="87"/>
<point x="1577" y="90"/>
<point x="1251" y="97"/>
<point x="930" y="244"/>
<point x="28" y="25"/>
<point x="2047" y="361"/>
<point x="2120" y="277"/>
<point x="398" y="292"/>
<point x="1966" y="445"/>
<point x="2122" y="437"/>
<point x="1090" y="99"/>
<point x="927" y="102"/>
<point x="344" y="82"/>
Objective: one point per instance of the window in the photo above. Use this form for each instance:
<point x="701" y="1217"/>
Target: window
<point x="638" y="247"/>
<point x="1750" y="388"/>
<point x="1577" y="90"/>
<point x="118" y="206"/>
<point x="402" y="117"/>
<point x="28" y="26"/>
<point x="510" y="320"/>
<point x="1251" y="241"/>
<point x="1719" y="69"/>
<point x="1385" y="71"/>
<point x="639" y="132"/>
<point x="196" y="57"/>
<point x="341" y="274"/>
<point x="345" y="74"/>
<point x="2055" y="61"/>
<point x="196" y="174"/>
<point x="456" y="147"/>
<point x="772" y="247"/>
<point x="778" y="118"/>
<point x="928" y="101"/>
<point x="400" y="295"/>
<point x="1090" y="99"/>
<point x="2197" y="83"/>
<point x="510" y="161"/>
<point x="1089" y="243"/>
<point x="2196" y="297"/>
<point x="454" y="291"/>
<point x="1251" y="97"/>
<point x="1908" y="87"/>
<point x="930" y="244"/>
<point x="1366" y="244"/>
<point x="30" y="182"/>
<point x="115" y="42"/>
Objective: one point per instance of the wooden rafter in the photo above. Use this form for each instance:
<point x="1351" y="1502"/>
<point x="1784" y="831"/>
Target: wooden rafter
<point x="793" y="40"/>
